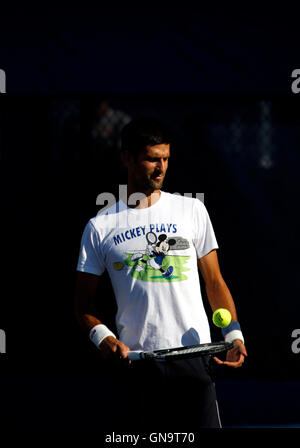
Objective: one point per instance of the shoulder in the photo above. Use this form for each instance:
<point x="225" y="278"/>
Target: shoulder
<point x="179" y="200"/>
<point x="108" y="217"/>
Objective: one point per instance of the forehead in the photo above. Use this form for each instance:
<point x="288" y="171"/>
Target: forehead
<point x="162" y="150"/>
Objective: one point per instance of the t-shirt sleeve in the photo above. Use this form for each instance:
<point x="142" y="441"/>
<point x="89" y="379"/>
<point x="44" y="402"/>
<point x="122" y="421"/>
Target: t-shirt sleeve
<point x="204" y="238"/>
<point x="90" y="256"/>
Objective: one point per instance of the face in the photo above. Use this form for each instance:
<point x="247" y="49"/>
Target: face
<point x="147" y="173"/>
<point x="163" y="247"/>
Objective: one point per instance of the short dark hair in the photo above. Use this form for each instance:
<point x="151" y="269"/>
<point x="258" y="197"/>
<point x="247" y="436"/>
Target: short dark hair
<point x="142" y="132"/>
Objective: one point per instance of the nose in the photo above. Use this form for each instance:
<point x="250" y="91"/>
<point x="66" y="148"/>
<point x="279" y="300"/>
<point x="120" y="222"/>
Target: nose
<point x="162" y="165"/>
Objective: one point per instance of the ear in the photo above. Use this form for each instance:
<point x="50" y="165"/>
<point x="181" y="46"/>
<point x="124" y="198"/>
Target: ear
<point x="126" y="157"/>
<point x="162" y="237"/>
<point x="171" y="242"/>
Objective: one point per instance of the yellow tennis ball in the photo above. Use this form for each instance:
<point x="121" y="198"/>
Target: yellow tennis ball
<point x="221" y="317"/>
<point x="118" y="265"/>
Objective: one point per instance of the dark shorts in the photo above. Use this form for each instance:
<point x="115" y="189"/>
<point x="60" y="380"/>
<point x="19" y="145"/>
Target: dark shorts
<point x="176" y="395"/>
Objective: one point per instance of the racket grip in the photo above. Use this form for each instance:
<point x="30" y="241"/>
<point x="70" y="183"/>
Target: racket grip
<point x="134" y="355"/>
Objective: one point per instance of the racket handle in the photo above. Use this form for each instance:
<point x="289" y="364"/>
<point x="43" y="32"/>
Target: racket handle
<point x="134" y="355"/>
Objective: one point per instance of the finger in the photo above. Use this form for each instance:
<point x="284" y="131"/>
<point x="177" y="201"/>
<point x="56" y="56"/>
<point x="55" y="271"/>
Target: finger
<point x="126" y="361"/>
<point x="217" y="360"/>
<point x="123" y="352"/>
<point x="241" y="348"/>
<point x="244" y="352"/>
<point x="237" y="363"/>
<point x="233" y="364"/>
<point x="235" y="355"/>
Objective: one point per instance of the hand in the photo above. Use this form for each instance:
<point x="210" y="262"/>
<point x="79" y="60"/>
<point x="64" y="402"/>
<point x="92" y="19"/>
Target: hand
<point x="112" y="349"/>
<point x="234" y="357"/>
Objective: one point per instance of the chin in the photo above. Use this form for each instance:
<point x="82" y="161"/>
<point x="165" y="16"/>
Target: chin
<point x="156" y="184"/>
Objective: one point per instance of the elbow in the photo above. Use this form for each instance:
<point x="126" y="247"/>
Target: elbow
<point x="214" y="283"/>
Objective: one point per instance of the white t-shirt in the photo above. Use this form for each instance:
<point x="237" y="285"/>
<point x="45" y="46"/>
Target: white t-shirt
<point x="151" y="257"/>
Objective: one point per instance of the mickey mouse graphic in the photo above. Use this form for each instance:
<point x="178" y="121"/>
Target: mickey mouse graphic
<point x="157" y="249"/>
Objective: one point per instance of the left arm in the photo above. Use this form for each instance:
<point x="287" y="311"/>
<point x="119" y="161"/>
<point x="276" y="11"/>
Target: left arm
<point x="219" y="296"/>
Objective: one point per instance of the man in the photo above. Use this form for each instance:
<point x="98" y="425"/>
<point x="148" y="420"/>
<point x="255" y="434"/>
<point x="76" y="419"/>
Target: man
<point x="152" y="248"/>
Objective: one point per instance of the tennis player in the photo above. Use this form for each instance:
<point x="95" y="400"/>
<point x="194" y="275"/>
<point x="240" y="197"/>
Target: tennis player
<point x="157" y="287"/>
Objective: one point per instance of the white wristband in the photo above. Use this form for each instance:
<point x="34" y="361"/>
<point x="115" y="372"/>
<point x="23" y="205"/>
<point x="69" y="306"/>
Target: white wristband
<point x="100" y="332"/>
<point x="234" y="334"/>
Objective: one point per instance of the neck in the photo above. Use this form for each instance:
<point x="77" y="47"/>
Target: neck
<point x="141" y="199"/>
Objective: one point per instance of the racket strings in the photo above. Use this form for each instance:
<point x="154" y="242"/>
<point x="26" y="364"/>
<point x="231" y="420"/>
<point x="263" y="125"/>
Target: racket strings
<point x="187" y="351"/>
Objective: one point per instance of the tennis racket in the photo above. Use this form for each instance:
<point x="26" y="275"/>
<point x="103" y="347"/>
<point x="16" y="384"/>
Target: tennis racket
<point x="190" y="351"/>
<point x="151" y="238"/>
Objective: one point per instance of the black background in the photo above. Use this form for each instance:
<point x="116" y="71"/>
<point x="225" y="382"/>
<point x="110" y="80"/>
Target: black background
<point x="200" y="71"/>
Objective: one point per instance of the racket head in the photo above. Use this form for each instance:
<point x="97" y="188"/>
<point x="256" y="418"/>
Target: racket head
<point x="191" y="351"/>
<point x="151" y="237"/>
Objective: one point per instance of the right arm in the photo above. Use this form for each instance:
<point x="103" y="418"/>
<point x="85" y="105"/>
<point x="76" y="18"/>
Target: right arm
<point x="85" y="293"/>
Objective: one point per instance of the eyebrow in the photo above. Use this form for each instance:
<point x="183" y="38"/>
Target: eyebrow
<point x="156" y="157"/>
